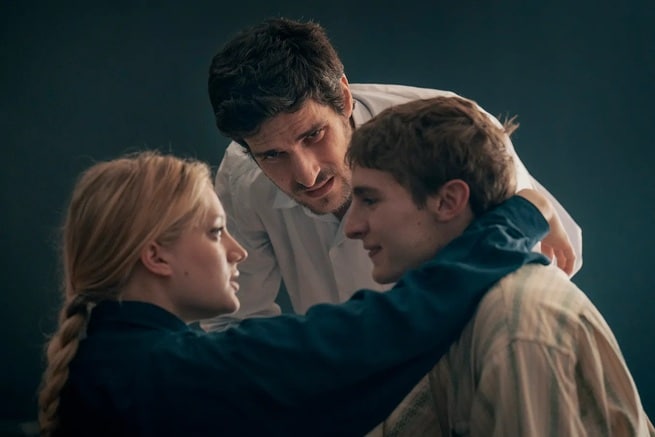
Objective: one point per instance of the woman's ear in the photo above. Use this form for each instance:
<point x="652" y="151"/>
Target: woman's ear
<point x="451" y="200"/>
<point x="154" y="258"/>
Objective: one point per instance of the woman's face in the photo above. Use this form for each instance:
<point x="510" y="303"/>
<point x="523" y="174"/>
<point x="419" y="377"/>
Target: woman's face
<point x="204" y="263"/>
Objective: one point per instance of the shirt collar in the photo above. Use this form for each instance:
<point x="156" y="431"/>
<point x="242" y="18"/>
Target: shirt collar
<point x="361" y="113"/>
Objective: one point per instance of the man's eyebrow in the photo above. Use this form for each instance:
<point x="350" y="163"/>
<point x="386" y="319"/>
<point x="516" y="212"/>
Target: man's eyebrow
<point x="363" y="190"/>
<point x="314" y="127"/>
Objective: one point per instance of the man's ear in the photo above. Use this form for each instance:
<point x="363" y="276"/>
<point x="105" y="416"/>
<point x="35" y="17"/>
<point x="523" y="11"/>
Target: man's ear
<point x="451" y="200"/>
<point x="154" y="259"/>
<point x="347" y="97"/>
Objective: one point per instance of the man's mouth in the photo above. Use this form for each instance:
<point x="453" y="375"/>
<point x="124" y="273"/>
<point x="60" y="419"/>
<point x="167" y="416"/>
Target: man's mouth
<point x="321" y="190"/>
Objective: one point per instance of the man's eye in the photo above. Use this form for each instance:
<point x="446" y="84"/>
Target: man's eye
<point x="271" y="154"/>
<point x="315" y="135"/>
<point x="368" y="201"/>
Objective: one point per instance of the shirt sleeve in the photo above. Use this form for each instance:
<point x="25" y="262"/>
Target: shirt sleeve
<point x="341" y="369"/>
<point x="260" y="278"/>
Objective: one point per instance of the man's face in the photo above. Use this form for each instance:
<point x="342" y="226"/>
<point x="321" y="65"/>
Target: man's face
<point x="396" y="233"/>
<point x="303" y="154"/>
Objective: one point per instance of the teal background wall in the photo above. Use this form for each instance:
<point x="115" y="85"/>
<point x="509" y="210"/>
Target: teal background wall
<point x="82" y="81"/>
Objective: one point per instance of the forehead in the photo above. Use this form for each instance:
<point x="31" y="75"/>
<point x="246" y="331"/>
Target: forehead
<point x="370" y="179"/>
<point x="213" y="206"/>
<point x="287" y="128"/>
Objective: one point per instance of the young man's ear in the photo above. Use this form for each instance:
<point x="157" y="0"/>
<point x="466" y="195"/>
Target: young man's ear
<point x="154" y="259"/>
<point x="451" y="200"/>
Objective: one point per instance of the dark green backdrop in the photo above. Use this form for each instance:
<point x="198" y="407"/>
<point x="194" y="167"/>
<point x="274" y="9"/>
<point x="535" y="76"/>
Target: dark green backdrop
<point x="82" y="82"/>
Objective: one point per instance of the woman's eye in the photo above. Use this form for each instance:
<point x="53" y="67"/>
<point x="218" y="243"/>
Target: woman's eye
<point x="217" y="231"/>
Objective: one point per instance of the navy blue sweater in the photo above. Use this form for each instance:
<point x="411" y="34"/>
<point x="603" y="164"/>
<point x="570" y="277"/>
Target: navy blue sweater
<point x="338" y="370"/>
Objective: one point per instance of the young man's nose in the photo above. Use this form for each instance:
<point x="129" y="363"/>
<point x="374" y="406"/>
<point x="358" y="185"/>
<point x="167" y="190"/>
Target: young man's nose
<point x="354" y="227"/>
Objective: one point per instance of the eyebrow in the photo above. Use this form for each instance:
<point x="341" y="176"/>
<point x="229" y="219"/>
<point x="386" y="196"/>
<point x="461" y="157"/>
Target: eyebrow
<point x="363" y="190"/>
<point x="218" y="219"/>
<point x="313" y="128"/>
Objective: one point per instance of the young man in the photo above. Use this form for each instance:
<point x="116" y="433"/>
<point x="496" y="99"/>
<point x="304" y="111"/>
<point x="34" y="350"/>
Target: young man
<point x="278" y="90"/>
<point x="537" y="358"/>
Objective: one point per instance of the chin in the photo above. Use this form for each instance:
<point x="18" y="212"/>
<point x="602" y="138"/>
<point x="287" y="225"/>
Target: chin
<point x="236" y="307"/>
<point x="382" y="278"/>
<point x="332" y="203"/>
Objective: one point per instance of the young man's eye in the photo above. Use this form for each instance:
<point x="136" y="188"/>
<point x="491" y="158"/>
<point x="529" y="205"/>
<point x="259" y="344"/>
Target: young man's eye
<point x="369" y="201"/>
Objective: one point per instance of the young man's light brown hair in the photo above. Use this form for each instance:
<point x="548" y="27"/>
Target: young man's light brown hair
<point x="425" y="143"/>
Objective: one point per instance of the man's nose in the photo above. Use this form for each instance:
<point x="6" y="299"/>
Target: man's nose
<point x="305" y="168"/>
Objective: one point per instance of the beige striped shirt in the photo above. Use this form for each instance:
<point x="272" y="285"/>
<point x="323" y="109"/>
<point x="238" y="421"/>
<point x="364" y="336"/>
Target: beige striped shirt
<point x="537" y="359"/>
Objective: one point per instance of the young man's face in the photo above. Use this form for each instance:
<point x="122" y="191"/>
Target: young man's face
<point x="396" y="233"/>
<point x="303" y="154"/>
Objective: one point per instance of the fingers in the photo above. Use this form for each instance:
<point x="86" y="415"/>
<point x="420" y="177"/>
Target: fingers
<point x="564" y="257"/>
<point x="568" y="262"/>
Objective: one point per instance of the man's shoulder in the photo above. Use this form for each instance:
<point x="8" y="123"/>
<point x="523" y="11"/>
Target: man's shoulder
<point x="237" y="163"/>
<point x="240" y="178"/>
<point x="393" y="93"/>
<point x="373" y="98"/>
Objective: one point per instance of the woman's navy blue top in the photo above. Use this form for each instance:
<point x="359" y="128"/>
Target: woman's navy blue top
<point x="338" y="370"/>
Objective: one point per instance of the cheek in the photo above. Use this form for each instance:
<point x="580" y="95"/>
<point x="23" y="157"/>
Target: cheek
<point x="278" y="173"/>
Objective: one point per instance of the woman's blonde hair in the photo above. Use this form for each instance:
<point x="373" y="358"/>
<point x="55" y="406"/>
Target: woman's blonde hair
<point x="116" y="208"/>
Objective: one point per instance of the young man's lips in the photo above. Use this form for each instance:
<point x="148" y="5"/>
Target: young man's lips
<point x="322" y="190"/>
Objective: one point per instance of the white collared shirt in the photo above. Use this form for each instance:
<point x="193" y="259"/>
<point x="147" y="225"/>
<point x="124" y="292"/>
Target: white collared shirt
<point x="309" y="252"/>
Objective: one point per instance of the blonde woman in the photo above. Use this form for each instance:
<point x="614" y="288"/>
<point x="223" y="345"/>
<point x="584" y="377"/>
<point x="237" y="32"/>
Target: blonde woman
<point x="146" y="251"/>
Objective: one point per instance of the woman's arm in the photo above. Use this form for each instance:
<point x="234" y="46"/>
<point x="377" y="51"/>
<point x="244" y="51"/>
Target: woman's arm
<point x="556" y="245"/>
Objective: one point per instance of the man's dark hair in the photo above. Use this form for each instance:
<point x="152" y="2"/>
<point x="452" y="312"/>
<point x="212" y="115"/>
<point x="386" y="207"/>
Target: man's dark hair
<point x="271" y="68"/>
